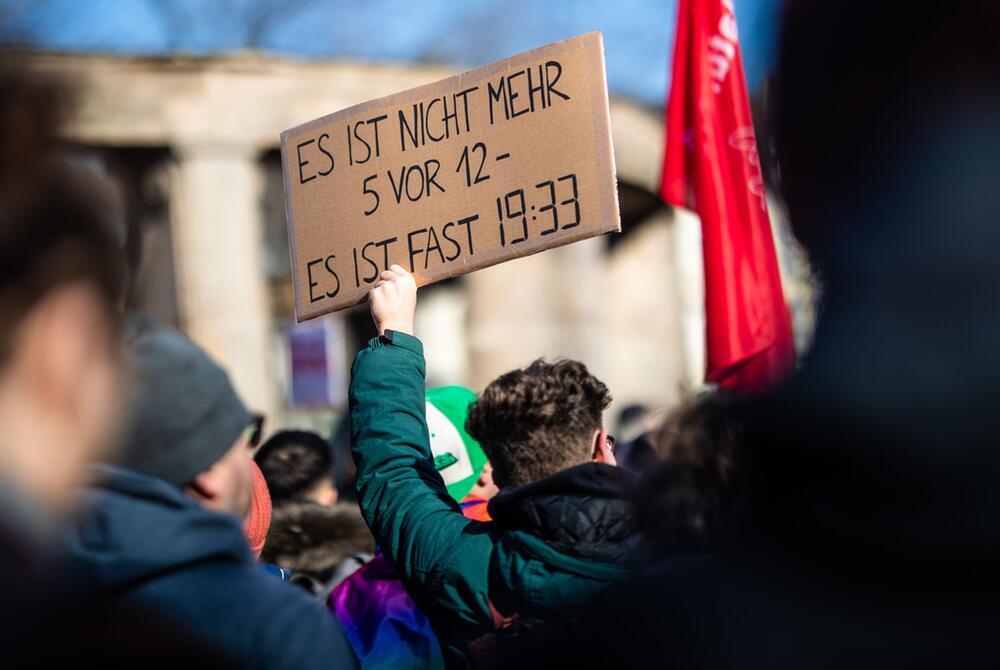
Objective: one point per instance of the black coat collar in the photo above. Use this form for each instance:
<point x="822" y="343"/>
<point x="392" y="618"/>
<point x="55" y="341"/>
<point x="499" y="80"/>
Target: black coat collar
<point x="584" y="511"/>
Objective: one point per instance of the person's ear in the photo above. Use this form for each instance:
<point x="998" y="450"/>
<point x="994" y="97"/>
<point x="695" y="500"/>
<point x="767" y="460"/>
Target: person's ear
<point x="329" y="496"/>
<point x="324" y="493"/>
<point x="485" y="487"/>
<point x="603" y="452"/>
<point x="485" y="475"/>
<point x="204" y="488"/>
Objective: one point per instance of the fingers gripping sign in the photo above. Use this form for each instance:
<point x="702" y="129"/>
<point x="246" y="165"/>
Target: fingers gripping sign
<point x="393" y="301"/>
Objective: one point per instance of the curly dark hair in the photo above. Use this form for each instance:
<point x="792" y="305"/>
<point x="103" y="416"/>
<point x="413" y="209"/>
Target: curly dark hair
<point x="293" y="462"/>
<point x="538" y="420"/>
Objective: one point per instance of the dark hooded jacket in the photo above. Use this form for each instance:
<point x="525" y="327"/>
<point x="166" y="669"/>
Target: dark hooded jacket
<point x="142" y="541"/>
<point x="552" y="545"/>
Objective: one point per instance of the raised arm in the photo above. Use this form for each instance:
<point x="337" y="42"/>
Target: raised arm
<point x="441" y="555"/>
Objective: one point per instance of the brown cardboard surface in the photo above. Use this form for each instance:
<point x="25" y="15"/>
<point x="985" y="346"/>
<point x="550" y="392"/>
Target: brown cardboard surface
<point x="492" y="164"/>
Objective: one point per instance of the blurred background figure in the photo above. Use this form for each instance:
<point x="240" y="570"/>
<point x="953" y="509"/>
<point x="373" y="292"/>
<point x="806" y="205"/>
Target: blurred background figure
<point x="320" y="545"/>
<point x="317" y="540"/>
<point x="298" y="467"/>
<point x="693" y="498"/>
<point x="634" y="436"/>
<point x="632" y="422"/>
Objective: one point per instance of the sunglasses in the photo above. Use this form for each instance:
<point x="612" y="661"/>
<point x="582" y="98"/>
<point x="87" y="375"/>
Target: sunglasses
<point x="254" y="431"/>
<point x="610" y="441"/>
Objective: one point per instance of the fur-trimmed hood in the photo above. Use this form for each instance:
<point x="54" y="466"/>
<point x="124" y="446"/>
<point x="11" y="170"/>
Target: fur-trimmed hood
<point x="315" y="539"/>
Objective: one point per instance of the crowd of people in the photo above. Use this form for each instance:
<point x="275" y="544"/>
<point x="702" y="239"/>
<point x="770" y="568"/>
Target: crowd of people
<point x="843" y="519"/>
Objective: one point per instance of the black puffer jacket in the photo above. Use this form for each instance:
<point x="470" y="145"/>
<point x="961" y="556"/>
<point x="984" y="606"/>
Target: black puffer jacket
<point x="583" y="513"/>
<point x="562" y="539"/>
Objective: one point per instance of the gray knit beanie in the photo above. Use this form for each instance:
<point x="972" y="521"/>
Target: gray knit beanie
<point x="183" y="413"/>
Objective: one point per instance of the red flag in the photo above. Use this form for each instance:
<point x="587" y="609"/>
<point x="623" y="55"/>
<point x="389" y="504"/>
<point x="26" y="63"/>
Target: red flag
<point x="711" y="165"/>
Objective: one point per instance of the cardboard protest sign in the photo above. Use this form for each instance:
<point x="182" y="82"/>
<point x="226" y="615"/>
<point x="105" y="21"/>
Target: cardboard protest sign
<point x="492" y="164"/>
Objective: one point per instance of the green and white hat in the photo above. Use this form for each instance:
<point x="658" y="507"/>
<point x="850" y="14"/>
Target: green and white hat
<point x="457" y="457"/>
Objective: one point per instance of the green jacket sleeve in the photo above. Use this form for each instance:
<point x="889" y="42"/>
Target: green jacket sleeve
<point x="442" y="556"/>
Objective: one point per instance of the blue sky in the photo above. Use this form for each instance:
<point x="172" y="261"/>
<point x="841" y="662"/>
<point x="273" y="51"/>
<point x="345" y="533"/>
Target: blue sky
<point x="638" y="33"/>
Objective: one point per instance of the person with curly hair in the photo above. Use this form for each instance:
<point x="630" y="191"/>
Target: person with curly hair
<point x="562" y="524"/>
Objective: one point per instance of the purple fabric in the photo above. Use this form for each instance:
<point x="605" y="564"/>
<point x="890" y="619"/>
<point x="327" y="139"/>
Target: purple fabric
<point x="383" y="624"/>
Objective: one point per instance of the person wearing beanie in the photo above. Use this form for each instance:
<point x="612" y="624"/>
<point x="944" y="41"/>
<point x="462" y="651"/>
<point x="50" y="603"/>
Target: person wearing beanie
<point x="258" y="519"/>
<point x="162" y="527"/>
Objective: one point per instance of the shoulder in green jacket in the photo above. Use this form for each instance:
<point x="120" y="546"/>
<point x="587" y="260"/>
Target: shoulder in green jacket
<point x="442" y="556"/>
<point x="454" y="568"/>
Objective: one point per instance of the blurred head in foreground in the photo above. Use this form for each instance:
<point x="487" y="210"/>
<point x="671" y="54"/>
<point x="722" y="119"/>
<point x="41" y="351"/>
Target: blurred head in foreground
<point x="874" y="472"/>
<point x="693" y="499"/>
<point x="889" y="152"/>
<point x="60" y="281"/>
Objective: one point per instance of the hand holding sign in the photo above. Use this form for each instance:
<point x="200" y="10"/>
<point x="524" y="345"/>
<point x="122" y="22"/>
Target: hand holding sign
<point x="393" y="301"/>
<point x="496" y="163"/>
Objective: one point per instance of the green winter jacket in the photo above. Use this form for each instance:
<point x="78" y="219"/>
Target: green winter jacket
<point x="448" y="562"/>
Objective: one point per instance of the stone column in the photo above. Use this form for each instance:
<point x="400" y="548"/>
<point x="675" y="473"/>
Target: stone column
<point x="690" y="278"/>
<point x="218" y="249"/>
<point x="645" y="354"/>
<point x="546" y="305"/>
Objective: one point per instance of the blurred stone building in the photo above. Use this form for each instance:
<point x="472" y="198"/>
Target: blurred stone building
<point x="192" y="145"/>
